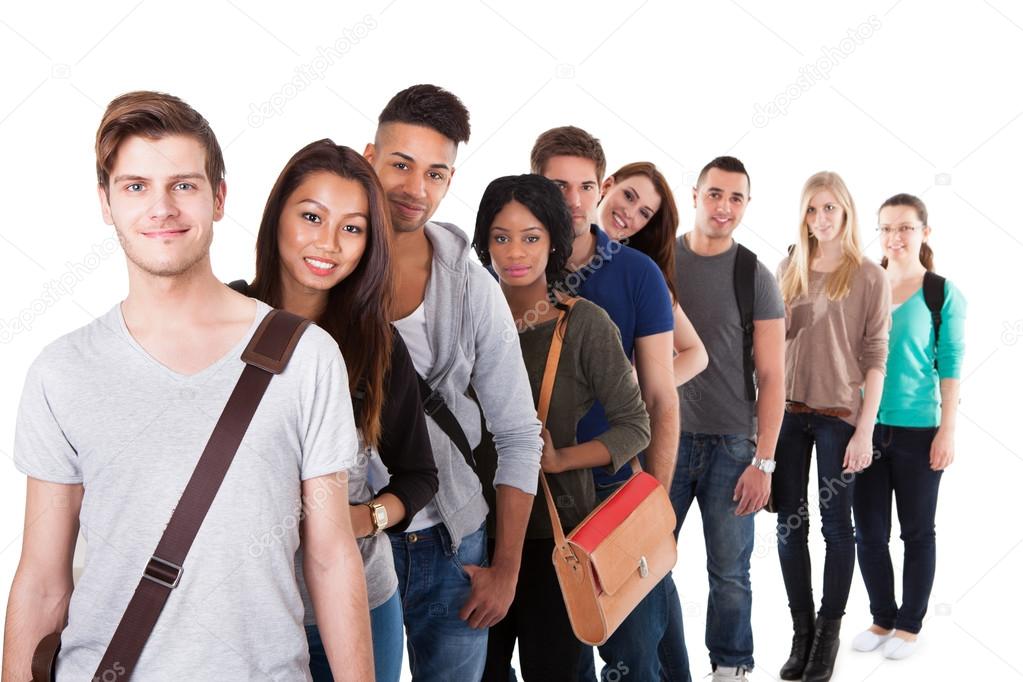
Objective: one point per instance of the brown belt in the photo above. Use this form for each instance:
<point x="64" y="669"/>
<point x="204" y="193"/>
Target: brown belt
<point x="803" y="408"/>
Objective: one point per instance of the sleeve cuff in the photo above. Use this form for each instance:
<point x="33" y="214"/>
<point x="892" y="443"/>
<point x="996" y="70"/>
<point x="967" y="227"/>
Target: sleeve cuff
<point x="619" y="447"/>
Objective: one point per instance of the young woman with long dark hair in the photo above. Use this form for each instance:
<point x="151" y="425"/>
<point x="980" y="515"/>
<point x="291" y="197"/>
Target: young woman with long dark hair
<point x="323" y="252"/>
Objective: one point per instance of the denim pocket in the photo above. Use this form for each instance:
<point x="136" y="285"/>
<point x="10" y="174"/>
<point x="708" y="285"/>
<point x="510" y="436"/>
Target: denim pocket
<point x="472" y="551"/>
<point x="740" y="448"/>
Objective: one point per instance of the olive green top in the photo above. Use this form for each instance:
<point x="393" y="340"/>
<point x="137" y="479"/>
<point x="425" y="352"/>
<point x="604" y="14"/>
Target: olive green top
<point x="593" y="368"/>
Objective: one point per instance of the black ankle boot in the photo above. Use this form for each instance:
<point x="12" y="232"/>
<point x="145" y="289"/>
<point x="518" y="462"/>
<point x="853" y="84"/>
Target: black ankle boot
<point x="802" y="639"/>
<point x="824" y="651"/>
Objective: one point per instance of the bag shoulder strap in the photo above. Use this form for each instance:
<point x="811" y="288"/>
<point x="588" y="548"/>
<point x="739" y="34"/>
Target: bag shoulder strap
<point x="543" y="408"/>
<point x="934" y="297"/>
<point x="438" y="410"/>
<point x="266" y="354"/>
<point x="744" y="282"/>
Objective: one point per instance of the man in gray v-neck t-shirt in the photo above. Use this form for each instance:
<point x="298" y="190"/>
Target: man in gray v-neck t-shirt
<point x="115" y="415"/>
<point x="99" y="411"/>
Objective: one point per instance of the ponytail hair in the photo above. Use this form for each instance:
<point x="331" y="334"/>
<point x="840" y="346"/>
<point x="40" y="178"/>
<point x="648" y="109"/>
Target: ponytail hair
<point x="917" y="204"/>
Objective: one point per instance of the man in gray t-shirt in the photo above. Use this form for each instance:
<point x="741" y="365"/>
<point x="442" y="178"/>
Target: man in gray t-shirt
<point x="115" y="415"/>
<point x="726" y="451"/>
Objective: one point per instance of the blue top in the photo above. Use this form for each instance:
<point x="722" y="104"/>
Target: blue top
<point x="632" y="291"/>
<point x="912" y="395"/>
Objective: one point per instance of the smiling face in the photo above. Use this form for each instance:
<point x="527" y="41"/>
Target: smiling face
<point x="519" y="246"/>
<point x="902" y="233"/>
<point x="322" y="232"/>
<point x="628" y="205"/>
<point x="825" y="217"/>
<point x="415" y="165"/>
<point x="577" y="179"/>
<point x="720" y="202"/>
<point x="162" y="204"/>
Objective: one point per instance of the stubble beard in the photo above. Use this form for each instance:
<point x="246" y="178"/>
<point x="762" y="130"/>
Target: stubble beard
<point x="170" y="268"/>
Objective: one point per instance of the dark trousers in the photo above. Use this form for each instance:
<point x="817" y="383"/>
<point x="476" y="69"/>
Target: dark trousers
<point x="548" y="650"/>
<point x="800" y="434"/>
<point x="901" y="468"/>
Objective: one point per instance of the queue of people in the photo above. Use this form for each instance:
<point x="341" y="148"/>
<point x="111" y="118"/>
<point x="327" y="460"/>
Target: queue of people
<point x="381" y="494"/>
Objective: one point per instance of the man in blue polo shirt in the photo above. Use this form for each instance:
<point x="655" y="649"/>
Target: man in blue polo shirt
<point x="631" y="289"/>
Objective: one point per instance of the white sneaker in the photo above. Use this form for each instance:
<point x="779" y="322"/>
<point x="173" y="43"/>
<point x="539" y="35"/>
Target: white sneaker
<point x="868" y="640"/>
<point x="729" y="675"/>
<point x="897" y="648"/>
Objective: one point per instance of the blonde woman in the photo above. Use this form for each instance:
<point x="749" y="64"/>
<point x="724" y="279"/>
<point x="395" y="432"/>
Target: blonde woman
<point x="837" y="310"/>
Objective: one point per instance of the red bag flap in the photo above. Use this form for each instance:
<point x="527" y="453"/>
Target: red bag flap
<point x="631" y="533"/>
<point x="596" y="527"/>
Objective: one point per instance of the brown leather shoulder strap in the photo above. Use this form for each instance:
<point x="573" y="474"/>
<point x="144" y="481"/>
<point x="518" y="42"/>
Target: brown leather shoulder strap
<point x="546" y="389"/>
<point x="267" y="354"/>
<point x="275" y="340"/>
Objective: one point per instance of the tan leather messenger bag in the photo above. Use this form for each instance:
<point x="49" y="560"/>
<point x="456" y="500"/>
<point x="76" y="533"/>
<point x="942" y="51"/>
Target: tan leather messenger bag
<point x="620" y="551"/>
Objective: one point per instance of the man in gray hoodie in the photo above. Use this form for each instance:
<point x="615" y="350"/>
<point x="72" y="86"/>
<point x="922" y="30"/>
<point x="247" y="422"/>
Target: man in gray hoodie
<point x="457" y="326"/>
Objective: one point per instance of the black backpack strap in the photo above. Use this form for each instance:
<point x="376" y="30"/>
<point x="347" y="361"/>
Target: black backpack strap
<point x="438" y="410"/>
<point x="240" y="285"/>
<point x="743" y="281"/>
<point x="359" y="397"/>
<point x="934" y="297"/>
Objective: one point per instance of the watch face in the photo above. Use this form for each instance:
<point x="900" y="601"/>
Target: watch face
<point x="380" y="516"/>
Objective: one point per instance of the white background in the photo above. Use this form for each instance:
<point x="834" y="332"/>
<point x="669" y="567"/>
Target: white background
<point x="920" y="101"/>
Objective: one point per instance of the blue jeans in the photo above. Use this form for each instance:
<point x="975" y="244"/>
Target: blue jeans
<point x="903" y="468"/>
<point x="672" y="649"/>
<point x="631" y="652"/>
<point x="385" y="624"/>
<point x="434" y="587"/>
<point x="709" y="466"/>
<point x="799" y="434"/>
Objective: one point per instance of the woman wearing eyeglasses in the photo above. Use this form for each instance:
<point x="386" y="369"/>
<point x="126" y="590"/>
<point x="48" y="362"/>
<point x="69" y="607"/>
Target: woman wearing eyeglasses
<point x="915" y="434"/>
<point x="837" y="311"/>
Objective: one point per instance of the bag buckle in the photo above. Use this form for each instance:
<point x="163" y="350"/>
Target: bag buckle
<point x="162" y="572"/>
<point x="644" y="568"/>
<point x="568" y="555"/>
<point x="432" y="403"/>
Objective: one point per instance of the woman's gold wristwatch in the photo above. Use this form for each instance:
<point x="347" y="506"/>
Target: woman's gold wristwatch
<point x="378" y="513"/>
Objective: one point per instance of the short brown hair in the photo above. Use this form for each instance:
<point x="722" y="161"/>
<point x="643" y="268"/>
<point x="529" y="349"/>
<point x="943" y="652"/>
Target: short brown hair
<point x="153" y="115"/>
<point x="567" y="141"/>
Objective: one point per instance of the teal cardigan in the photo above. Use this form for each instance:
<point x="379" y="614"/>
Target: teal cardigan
<point x="911" y="394"/>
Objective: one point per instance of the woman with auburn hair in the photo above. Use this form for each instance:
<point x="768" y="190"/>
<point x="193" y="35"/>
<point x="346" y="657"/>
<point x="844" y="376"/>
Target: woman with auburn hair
<point x="837" y="313"/>
<point x="637" y="208"/>
<point x="915" y="432"/>
<point x="524" y="233"/>
<point x="323" y="252"/>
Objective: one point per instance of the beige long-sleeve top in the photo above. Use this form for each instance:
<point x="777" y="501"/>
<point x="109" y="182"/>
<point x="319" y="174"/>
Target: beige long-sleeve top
<point x="830" y="345"/>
